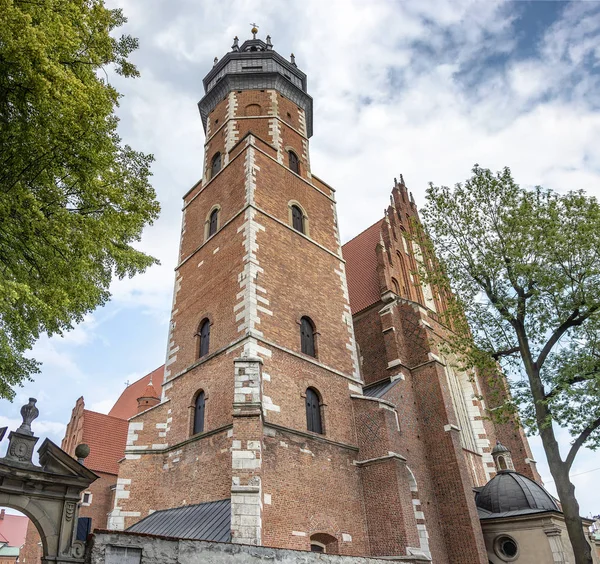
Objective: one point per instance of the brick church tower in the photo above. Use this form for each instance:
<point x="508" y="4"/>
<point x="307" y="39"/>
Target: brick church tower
<point x="266" y="432"/>
<point x="261" y="330"/>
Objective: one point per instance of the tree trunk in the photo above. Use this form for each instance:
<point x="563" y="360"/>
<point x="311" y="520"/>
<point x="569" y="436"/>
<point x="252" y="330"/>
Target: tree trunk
<point x="566" y="494"/>
<point x="558" y="468"/>
<point x="570" y="508"/>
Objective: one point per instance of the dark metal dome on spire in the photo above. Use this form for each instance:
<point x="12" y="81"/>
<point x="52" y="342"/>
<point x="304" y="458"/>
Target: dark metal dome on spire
<point x="254" y="65"/>
<point x="499" y="448"/>
<point x="510" y="491"/>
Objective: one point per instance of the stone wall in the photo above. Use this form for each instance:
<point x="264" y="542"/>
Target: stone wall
<point x="162" y="550"/>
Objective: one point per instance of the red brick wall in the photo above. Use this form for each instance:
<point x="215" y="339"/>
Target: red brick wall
<point x="31" y="553"/>
<point x="314" y="488"/>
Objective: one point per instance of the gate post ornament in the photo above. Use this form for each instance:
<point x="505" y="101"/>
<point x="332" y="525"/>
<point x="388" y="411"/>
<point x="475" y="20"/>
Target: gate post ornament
<point x="48" y="492"/>
<point x="22" y="441"/>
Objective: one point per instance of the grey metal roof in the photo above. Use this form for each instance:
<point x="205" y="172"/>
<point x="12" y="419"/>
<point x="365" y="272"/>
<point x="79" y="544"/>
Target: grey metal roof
<point x="259" y="69"/>
<point x="205" y="521"/>
<point x="510" y="491"/>
<point x="380" y="389"/>
<point x="485" y="514"/>
<point x="499" y="448"/>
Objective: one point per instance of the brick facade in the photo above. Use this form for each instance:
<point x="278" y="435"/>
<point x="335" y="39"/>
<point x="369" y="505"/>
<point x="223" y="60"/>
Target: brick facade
<point x="390" y="474"/>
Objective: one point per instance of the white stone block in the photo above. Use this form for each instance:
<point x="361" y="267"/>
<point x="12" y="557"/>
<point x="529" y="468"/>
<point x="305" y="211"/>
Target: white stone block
<point x="242" y="454"/>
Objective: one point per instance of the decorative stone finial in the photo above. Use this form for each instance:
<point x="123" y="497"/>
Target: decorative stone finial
<point x="269" y="44"/>
<point x="293" y="59"/>
<point x="401" y="179"/>
<point x="254" y="30"/>
<point x="82" y="452"/>
<point x="28" y="412"/>
<point x="235" y="46"/>
<point x="215" y="61"/>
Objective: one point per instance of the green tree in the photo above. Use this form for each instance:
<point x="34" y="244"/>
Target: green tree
<point x="524" y="269"/>
<point x="73" y="198"/>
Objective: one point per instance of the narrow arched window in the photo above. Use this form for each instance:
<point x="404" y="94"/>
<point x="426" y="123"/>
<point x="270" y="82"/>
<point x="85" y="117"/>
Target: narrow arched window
<point x="213" y="222"/>
<point x="199" y="413"/>
<point x="502" y="463"/>
<point x="313" y="411"/>
<point x="396" y="286"/>
<point x="294" y="162"/>
<point x="297" y="219"/>
<point x="216" y="165"/>
<point x="204" y="337"/>
<point x="307" y="336"/>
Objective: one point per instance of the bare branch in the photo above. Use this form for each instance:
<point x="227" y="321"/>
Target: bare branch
<point x="576" y="380"/>
<point x="574" y="320"/>
<point x="506" y="352"/>
<point x="580" y="440"/>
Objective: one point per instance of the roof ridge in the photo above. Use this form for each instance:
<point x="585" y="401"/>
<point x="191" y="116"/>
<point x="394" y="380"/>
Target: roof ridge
<point x="378" y="382"/>
<point x="104" y="414"/>
<point x="359" y="234"/>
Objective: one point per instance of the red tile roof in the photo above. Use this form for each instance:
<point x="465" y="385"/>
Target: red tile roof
<point x="106" y="436"/>
<point x="126" y="406"/>
<point x="13" y="528"/>
<point x="361" y="268"/>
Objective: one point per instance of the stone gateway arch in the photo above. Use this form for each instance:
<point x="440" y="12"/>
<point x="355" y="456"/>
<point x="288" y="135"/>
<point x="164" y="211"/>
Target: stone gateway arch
<point x="48" y="493"/>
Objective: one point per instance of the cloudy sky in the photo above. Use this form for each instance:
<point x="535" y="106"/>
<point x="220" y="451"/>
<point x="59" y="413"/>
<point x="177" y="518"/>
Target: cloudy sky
<point x="422" y="88"/>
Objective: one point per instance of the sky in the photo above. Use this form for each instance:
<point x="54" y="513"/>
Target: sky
<point x="426" y="89"/>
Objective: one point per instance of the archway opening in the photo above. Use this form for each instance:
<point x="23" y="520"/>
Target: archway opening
<point x="322" y="542"/>
<point x="20" y="539"/>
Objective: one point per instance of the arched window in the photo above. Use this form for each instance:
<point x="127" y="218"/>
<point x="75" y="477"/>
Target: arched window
<point x="213" y="222"/>
<point x="294" y="162"/>
<point x="204" y="334"/>
<point x="297" y="219"/>
<point x="199" y="413"/>
<point x="396" y="286"/>
<point x="307" y="336"/>
<point x="322" y="542"/>
<point x="406" y="283"/>
<point x="502" y="463"/>
<point x="216" y="165"/>
<point x="313" y="411"/>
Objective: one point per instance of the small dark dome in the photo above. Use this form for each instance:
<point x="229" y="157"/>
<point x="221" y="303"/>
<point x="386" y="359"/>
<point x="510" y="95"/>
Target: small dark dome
<point x="499" y="448"/>
<point x="511" y="491"/>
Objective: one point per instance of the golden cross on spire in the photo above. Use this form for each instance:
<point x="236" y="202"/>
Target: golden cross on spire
<point x="254" y="30"/>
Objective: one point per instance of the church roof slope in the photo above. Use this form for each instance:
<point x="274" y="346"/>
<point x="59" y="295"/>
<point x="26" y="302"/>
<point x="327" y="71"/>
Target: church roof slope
<point x="106" y="436"/>
<point x="13" y="528"/>
<point x="206" y="521"/>
<point x="511" y="492"/>
<point x="361" y="268"/>
<point x="127" y="406"/>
